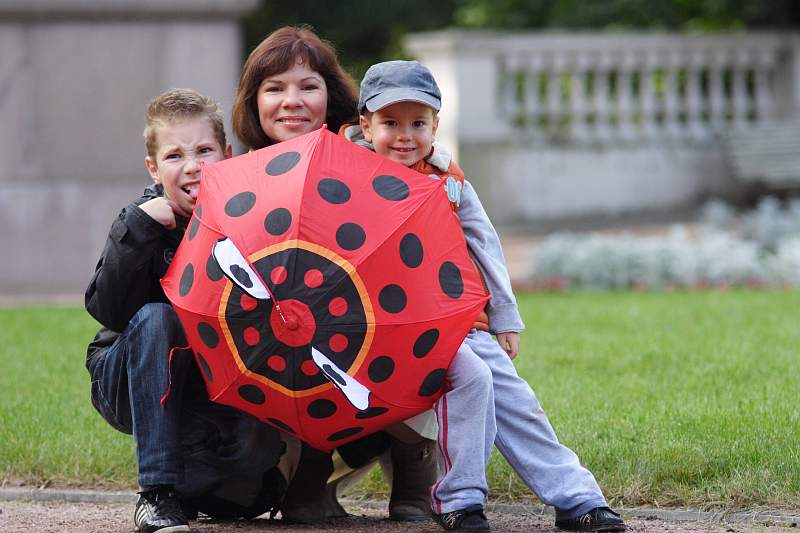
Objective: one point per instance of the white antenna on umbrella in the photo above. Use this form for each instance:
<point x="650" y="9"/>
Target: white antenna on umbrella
<point x="356" y="393"/>
<point x="238" y="270"/>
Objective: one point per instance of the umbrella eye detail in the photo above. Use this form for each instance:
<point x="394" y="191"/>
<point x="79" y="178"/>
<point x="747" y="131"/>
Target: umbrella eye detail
<point x="235" y="267"/>
<point x="242" y="276"/>
<point x="333" y="375"/>
<point x="356" y="393"/>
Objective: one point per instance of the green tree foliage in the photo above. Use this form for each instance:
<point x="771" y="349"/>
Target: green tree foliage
<point x="364" y="32"/>
<point x="367" y="31"/>
<point x="695" y="15"/>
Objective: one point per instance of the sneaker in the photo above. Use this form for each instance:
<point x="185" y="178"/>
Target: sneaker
<point x="159" y="510"/>
<point x="469" y="519"/>
<point x="598" y="519"/>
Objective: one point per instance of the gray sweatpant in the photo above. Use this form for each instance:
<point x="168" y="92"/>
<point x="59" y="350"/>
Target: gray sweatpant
<point x="470" y="422"/>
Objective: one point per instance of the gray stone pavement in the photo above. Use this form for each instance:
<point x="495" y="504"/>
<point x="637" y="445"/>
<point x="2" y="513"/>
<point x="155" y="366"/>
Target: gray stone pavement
<point x="56" y="510"/>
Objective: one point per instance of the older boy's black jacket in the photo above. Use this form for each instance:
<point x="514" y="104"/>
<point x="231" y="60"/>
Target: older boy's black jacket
<point x="136" y="255"/>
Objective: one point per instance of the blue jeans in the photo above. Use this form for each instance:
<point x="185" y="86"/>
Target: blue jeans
<point x="220" y="460"/>
<point x="129" y="382"/>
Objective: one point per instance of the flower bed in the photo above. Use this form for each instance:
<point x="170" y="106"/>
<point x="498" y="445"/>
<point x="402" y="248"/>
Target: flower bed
<point x="760" y="248"/>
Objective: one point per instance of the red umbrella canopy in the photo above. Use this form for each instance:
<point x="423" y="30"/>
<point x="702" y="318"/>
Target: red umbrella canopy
<point x="323" y="288"/>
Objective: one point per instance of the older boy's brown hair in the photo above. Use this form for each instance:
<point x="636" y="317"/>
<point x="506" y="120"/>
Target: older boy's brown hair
<point x="276" y="54"/>
<point x="179" y="104"/>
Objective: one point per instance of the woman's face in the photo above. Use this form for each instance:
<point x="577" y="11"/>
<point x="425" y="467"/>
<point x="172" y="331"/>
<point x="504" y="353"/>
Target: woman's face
<point x="292" y="103"/>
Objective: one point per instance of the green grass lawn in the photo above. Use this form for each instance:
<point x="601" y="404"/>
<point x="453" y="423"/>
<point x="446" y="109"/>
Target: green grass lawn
<point x="669" y="398"/>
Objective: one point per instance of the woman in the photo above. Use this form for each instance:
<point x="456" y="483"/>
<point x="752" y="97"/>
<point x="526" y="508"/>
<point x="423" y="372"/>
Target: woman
<point x="292" y="84"/>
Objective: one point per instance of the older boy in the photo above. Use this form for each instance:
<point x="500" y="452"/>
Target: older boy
<point x="398" y="108"/>
<point x="131" y="360"/>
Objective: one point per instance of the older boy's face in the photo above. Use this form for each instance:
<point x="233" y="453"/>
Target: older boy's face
<point x="182" y="145"/>
<point x="403" y="132"/>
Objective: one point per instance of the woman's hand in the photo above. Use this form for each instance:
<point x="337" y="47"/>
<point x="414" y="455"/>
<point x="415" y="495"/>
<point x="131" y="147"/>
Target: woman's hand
<point x="509" y="341"/>
<point x="163" y="211"/>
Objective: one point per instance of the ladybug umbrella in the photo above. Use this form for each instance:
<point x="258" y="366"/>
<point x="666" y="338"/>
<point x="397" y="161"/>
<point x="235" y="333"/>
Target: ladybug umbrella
<point x="323" y="289"/>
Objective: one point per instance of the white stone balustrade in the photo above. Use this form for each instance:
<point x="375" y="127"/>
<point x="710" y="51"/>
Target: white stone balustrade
<point x="599" y="88"/>
<point x="585" y="124"/>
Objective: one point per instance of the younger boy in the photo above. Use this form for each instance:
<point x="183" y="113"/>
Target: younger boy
<point x="398" y="108"/>
<point x="130" y="358"/>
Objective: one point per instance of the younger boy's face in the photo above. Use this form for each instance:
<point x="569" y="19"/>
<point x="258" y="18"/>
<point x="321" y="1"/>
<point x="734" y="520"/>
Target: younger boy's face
<point x="182" y="145"/>
<point x="403" y="132"/>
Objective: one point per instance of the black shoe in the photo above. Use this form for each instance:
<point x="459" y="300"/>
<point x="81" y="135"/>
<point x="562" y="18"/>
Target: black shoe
<point x="413" y="472"/>
<point x="158" y="509"/>
<point x="304" y="499"/>
<point x="598" y="519"/>
<point x="469" y="519"/>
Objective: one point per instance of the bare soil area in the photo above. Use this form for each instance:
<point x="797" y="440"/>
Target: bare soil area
<point x="56" y="517"/>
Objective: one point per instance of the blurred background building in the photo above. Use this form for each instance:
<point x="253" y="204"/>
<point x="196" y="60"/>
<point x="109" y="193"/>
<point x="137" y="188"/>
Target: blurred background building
<point x="75" y="78"/>
<point x="563" y="112"/>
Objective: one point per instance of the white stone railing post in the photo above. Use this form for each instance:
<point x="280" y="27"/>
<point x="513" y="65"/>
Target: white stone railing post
<point x="787" y="85"/>
<point x="468" y="72"/>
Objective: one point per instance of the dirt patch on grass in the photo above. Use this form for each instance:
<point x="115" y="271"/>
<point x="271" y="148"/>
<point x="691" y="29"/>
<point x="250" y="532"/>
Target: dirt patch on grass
<point x="56" y="517"/>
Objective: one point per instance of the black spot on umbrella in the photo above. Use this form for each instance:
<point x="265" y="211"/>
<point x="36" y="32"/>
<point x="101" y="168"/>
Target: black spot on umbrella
<point x="205" y="368"/>
<point x="278" y="221"/>
<point x="283" y="163"/>
<point x="252" y="394"/>
<point x="333" y="191"/>
<point x="193" y="227"/>
<point x="392" y="298"/>
<point x="242" y="276"/>
<point x="425" y="343"/>
<point x="198" y="211"/>
<point x="343" y="434"/>
<point x="213" y="271"/>
<point x="321" y="408"/>
<point x="380" y="369"/>
<point x="333" y="374"/>
<point x="350" y="236"/>
<point x="390" y="188"/>
<point x="450" y="280"/>
<point x="240" y="204"/>
<point x="208" y="334"/>
<point x="411" y="250"/>
<point x="432" y="382"/>
<point x="283" y="425"/>
<point x="187" y="279"/>
<point x="372" y="412"/>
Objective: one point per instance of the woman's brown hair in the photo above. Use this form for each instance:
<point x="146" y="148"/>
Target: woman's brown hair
<point x="276" y="54"/>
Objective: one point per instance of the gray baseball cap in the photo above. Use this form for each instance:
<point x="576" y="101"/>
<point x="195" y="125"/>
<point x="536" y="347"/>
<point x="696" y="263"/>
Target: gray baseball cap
<point x="398" y="81"/>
